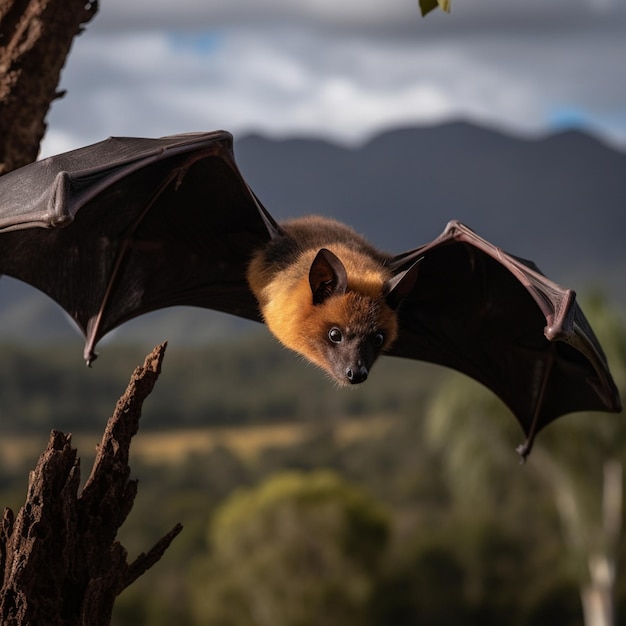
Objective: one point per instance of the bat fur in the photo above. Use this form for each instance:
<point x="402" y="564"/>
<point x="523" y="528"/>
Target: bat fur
<point x="329" y="295"/>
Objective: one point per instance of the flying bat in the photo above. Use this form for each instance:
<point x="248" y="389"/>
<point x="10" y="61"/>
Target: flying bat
<point x="131" y="225"/>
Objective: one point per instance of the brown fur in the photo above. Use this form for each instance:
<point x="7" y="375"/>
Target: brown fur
<point x="279" y="278"/>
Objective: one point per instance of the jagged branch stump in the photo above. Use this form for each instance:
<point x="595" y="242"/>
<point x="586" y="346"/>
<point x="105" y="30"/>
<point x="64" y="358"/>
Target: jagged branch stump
<point x="59" y="561"/>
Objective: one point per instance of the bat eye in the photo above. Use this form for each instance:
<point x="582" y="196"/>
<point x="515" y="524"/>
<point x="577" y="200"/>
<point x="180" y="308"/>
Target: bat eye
<point x="378" y="339"/>
<point x="335" y="335"/>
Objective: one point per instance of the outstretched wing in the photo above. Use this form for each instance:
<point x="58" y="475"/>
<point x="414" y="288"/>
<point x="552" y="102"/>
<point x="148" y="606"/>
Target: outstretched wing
<point x="128" y="225"/>
<point x="496" y="318"/>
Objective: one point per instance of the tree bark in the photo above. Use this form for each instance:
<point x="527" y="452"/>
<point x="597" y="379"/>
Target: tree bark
<point x="598" y="595"/>
<point x="59" y="561"/>
<point x="35" y="39"/>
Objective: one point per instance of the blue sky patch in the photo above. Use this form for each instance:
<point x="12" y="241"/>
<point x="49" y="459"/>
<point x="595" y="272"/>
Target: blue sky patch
<point x="202" y="43"/>
<point x="569" y="117"/>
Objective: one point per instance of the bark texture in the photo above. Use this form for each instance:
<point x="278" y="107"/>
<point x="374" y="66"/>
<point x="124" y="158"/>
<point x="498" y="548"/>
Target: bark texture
<point x="35" y="39"/>
<point x="59" y="561"/>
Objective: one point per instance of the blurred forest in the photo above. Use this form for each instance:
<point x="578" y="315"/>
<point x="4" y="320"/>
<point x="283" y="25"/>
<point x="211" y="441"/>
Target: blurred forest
<point x="399" y="502"/>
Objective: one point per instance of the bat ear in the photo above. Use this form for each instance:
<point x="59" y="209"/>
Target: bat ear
<point x="327" y="276"/>
<point x="401" y="285"/>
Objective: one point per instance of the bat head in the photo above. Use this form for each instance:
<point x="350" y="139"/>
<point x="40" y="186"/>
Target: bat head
<point x="349" y="327"/>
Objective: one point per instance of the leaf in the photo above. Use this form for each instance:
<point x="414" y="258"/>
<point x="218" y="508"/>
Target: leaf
<point x="426" y="6"/>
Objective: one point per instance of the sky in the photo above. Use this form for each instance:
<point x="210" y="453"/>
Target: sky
<point x="343" y="71"/>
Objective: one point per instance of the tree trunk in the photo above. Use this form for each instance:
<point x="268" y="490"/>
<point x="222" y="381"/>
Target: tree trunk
<point x="597" y="594"/>
<point x="60" y="564"/>
<point x="35" y="39"/>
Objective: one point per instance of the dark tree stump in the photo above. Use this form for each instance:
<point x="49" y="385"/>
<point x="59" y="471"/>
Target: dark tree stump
<point x="59" y="561"/>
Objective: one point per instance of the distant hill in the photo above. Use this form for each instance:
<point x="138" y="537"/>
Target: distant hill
<point x="559" y="200"/>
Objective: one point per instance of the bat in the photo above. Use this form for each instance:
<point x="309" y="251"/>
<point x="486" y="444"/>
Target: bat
<point x="130" y="225"/>
<point x="327" y="294"/>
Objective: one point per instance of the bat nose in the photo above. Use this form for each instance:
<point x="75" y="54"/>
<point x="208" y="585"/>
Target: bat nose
<point x="356" y="374"/>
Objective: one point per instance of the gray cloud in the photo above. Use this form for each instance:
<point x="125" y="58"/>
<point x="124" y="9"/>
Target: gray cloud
<point x="342" y="70"/>
<point x="366" y="15"/>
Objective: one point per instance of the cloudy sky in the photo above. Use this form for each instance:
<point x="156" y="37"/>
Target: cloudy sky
<point x="344" y="70"/>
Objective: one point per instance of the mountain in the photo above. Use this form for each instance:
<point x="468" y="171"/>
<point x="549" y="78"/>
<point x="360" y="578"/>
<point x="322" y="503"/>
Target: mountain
<point x="557" y="199"/>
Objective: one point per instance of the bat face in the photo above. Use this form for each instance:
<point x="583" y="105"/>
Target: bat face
<point x="336" y="315"/>
<point x="346" y="333"/>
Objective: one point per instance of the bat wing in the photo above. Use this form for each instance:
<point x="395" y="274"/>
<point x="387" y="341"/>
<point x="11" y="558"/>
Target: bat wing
<point x="498" y="319"/>
<point x="127" y="226"/>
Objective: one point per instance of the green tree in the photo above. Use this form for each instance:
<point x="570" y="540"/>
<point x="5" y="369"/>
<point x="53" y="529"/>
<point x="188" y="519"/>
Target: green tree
<point x="302" y="548"/>
<point x="579" y="458"/>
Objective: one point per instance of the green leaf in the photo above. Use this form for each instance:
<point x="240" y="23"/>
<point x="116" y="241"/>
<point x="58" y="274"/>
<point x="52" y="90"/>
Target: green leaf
<point x="426" y="6"/>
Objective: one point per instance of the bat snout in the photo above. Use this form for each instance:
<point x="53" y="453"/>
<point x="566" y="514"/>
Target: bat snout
<point x="357" y="374"/>
<point x="349" y="362"/>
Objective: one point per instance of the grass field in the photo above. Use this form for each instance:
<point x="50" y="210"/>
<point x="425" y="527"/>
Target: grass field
<point x="174" y="446"/>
